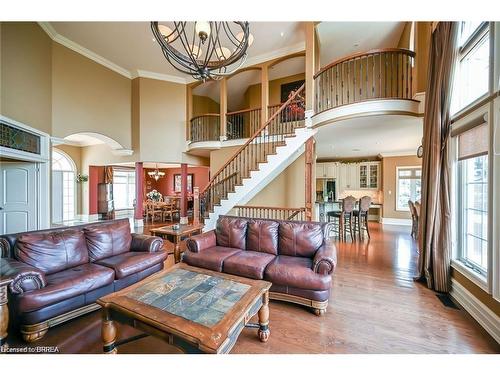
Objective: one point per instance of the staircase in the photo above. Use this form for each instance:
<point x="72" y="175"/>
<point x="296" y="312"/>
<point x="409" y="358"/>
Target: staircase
<point x="273" y="147"/>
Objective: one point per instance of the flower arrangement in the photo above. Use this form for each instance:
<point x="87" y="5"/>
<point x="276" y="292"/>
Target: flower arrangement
<point x="82" y="177"/>
<point x="154" y="195"/>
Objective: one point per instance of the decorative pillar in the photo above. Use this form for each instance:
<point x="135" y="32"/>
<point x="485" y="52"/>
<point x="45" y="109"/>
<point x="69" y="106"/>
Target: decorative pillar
<point x="139" y="194"/>
<point x="310" y="64"/>
<point x="223" y="109"/>
<point x="184" y="194"/>
<point x="196" y="205"/>
<point x="309" y="175"/>
<point x="264" y="95"/>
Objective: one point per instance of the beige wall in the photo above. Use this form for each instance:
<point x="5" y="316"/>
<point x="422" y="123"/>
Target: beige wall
<point x="404" y="40"/>
<point x="88" y="97"/>
<point x="253" y="93"/>
<point x="26" y="74"/>
<point x="203" y="105"/>
<point x="389" y="166"/>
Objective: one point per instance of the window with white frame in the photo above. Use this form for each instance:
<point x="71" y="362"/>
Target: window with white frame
<point x="123" y="189"/>
<point x="472" y="199"/>
<point x="408" y="185"/>
<point x="471" y="80"/>
<point x="63" y="187"/>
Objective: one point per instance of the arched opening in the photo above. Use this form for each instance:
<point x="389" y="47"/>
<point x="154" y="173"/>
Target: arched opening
<point x="286" y="75"/>
<point x="63" y="187"/>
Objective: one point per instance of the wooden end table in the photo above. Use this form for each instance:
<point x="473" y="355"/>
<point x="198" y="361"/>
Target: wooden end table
<point x="177" y="235"/>
<point x="194" y="309"/>
<point x="4" y="310"/>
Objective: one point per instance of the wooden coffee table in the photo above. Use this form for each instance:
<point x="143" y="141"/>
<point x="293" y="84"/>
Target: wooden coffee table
<point x="177" y="235"/>
<point x="196" y="310"/>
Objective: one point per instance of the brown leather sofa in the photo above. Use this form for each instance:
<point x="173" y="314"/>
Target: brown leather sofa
<point x="58" y="274"/>
<point x="294" y="255"/>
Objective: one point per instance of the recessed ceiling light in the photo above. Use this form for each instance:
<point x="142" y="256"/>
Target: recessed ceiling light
<point x="356" y="149"/>
<point x="356" y="44"/>
<point x="282" y="33"/>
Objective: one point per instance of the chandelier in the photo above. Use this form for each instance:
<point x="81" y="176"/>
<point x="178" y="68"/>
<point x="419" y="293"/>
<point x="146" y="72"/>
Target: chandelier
<point x="204" y="50"/>
<point x="156" y="174"/>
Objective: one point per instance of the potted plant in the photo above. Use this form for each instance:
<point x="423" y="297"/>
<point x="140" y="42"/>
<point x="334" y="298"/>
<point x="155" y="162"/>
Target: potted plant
<point x="154" y="195"/>
<point x="82" y="178"/>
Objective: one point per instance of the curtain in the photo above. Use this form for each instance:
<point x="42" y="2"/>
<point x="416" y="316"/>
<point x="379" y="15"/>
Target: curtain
<point x="435" y="222"/>
<point x="108" y="175"/>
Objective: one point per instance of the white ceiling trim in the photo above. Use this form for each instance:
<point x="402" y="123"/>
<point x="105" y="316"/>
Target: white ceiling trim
<point x="398" y="153"/>
<point x="159" y="76"/>
<point x="56" y="37"/>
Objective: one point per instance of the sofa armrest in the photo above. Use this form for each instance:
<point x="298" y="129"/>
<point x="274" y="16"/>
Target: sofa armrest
<point x="145" y="243"/>
<point x="325" y="259"/>
<point x="202" y="241"/>
<point x="24" y="277"/>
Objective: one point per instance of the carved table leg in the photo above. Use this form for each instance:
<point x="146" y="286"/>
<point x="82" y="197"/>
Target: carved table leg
<point x="108" y="334"/>
<point x="177" y="249"/>
<point x="264" y="331"/>
<point x="4" y="317"/>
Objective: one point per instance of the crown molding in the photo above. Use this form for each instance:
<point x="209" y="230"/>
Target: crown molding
<point x="398" y="153"/>
<point x="159" y="76"/>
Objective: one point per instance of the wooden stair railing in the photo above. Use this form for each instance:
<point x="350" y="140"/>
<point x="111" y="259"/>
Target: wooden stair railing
<point x="376" y="74"/>
<point x="242" y="124"/>
<point x="265" y="212"/>
<point x="205" y="128"/>
<point x="262" y="143"/>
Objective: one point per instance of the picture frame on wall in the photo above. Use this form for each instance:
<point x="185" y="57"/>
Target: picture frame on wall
<point x="177" y="183"/>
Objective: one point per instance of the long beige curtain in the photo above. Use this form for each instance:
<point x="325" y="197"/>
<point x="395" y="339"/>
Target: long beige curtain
<point x="435" y="222"/>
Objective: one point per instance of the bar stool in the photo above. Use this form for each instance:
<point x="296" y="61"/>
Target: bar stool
<point x="344" y="217"/>
<point x="361" y="216"/>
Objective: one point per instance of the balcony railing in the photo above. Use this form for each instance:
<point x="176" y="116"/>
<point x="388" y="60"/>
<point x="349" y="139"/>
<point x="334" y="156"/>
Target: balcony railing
<point x="277" y="213"/>
<point x="377" y="74"/>
<point x="205" y="128"/>
<point x="242" y="124"/>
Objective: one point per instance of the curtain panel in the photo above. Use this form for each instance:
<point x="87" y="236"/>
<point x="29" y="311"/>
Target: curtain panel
<point x="435" y="226"/>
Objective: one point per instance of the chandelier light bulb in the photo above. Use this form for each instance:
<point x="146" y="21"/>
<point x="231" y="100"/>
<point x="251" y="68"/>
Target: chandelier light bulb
<point x="223" y="53"/>
<point x="165" y="31"/>
<point x="241" y="35"/>
<point x="202" y="28"/>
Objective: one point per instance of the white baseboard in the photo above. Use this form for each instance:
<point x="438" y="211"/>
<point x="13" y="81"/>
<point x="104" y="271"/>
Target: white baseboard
<point x="139" y="222"/>
<point x="478" y="310"/>
<point x="392" y="221"/>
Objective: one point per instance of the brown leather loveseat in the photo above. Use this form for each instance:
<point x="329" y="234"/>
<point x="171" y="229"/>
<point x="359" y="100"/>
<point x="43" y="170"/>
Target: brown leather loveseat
<point x="294" y="255"/>
<point x="58" y="274"/>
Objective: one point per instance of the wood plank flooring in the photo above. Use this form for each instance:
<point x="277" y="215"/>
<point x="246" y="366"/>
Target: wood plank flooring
<point x="375" y="307"/>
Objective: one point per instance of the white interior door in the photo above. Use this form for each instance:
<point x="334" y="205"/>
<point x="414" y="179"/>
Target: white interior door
<point x="18" y="197"/>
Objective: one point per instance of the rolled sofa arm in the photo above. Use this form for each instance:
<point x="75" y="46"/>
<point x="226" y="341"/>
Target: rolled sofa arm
<point x="24" y="277"/>
<point x="325" y="259"/>
<point x="145" y="243"/>
<point x="202" y="242"/>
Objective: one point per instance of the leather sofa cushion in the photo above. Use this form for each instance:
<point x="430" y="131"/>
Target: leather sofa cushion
<point x="249" y="264"/>
<point x="66" y="284"/>
<point x="211" y="259"/>
<point x="300" y="239"/>
<point x="231" y="232"/>
<point x="53" y="251"/>
<point x="107" y="240"/>
<point x="315" y="295"/>
<point x="262" y="236"/>
<point x="132" y="262"/>
<point x="296" y="272"/>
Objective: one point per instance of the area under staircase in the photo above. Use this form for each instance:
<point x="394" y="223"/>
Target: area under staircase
<point x="272" y="148"/>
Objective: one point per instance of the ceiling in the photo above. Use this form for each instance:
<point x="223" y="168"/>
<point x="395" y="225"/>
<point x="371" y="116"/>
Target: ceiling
<point x="384" y="135"/>
<point x="340" y="39"/>
<point x="83" y="140"/>
<point x="239" y="83"/>
<point x="130" y="45"/>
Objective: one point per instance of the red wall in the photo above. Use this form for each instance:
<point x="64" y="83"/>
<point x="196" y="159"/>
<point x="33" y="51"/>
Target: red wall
<point x="165" y="185"/>
<point x="96" y="176"/>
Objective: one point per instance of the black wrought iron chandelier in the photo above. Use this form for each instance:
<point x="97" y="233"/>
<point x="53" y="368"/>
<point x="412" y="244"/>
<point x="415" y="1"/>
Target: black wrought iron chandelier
<point x="204" y="50"/>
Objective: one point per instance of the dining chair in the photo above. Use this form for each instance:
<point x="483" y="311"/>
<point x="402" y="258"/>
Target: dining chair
<point x="414" y="219"/>
<point x="344" y="217"/>
<point x="417" y="217"/>
<point x="153" y="210"/>
<point x="361" y="216"/>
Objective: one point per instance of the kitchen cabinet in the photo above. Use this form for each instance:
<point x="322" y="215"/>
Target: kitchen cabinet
<point x="326" y="170"/>
<point x="369" y="175"/>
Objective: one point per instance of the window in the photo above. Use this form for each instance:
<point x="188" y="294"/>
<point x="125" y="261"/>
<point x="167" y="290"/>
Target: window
<point x="408" y="186"/>
<point x="473" y="65"/>
<point x="123" y="189"/>
<point x="63" y="187"/>
<point x="472" y="200"/>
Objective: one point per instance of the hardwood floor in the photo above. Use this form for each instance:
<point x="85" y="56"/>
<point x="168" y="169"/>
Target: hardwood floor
<point x="375" y="307"/>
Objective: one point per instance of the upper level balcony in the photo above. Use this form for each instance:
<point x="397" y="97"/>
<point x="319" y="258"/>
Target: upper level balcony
<point x="377" y="82"/>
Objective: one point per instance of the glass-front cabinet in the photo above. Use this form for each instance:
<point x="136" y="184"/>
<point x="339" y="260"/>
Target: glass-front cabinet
<point x="369" y="175"/>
